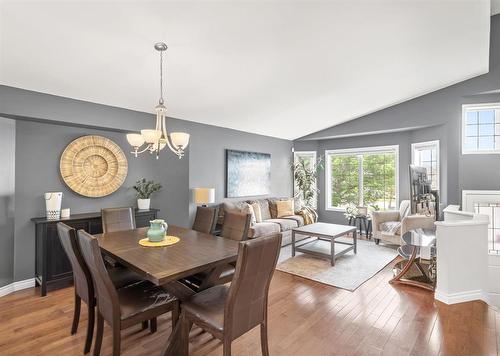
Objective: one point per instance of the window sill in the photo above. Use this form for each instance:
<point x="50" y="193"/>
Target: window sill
<point x="340" y="210"/>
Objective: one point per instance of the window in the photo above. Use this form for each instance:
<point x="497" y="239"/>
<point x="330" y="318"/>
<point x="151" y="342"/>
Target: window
<point x="363" y="177"/>
<point x="309" y="158"/>
<point x="426" y="154"/>
<point x="481" y="128"/>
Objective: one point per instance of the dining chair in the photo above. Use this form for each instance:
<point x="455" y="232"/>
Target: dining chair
<point x="83" y="285"/>
<point x="205" y="219"/>
<point x="124" y="307"/>
<point x="229" y="311"/>
<point x="235" y="225"/>
<point x="117" y="219"/>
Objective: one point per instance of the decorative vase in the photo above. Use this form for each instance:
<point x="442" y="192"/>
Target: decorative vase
<point x="53" y="202"/>
<point x="143" y="204"/>
<point x="157" y="230"/>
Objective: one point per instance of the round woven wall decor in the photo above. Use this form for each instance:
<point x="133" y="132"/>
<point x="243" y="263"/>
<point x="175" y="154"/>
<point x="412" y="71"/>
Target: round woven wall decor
<point x="93" y="166"/>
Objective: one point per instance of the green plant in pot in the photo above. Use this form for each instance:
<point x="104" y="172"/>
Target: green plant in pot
<point x="144" y="189"/>
<point x="305" y="174"/>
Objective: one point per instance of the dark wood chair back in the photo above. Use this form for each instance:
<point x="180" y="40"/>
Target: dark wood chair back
<point x="107" y="298"/>
<point x="205" y="219"/>
<point x="236" y="225"/>
<point x="117" y="219"/>
<point x="246" y="306"/>
<point x="81" y="274"/>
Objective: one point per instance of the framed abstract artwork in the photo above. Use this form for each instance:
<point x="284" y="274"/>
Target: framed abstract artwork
<point x="247" y="174"/>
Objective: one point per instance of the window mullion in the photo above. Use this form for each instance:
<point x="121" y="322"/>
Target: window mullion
<point x="360" y="181"/>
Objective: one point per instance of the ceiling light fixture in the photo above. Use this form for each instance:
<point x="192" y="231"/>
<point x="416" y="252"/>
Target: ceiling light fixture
<point x="157" y="139"/>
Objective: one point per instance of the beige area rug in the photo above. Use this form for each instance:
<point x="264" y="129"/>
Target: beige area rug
<point x="350" y="270"/>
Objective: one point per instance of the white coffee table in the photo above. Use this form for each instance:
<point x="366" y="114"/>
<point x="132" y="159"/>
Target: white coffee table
<point x="324" y="245"/>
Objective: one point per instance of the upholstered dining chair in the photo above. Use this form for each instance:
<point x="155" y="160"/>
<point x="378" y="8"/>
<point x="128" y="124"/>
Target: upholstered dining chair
<point x="229" y="311"/>
<point x="124" y="307"/>
<point x="205" y="219"/>
<point x="117" y="219"/>
<point x="235" y="225"/>
<point x="83" y="285"/>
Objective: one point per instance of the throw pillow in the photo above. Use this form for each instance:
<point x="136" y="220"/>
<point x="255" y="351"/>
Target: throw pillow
<point x="257" y="212"/>
<point x="284" y="208"/>
<point x="248" y="209"/>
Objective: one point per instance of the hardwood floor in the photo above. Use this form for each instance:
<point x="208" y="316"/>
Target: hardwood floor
<point x="305" y="318"/>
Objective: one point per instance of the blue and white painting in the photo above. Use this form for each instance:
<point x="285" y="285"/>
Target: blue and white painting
<point x="248" y="174"/>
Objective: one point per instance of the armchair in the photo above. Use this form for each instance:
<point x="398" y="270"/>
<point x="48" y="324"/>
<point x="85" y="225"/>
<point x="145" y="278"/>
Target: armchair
<point x="388" y="226"/>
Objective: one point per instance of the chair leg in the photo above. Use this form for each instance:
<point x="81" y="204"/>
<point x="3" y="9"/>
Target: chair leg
<point x="90" y="328"/>
<point x="76" y="314"/>
<point x="263" y="339"/>
<point x="98" y="335"/>
<point x="153" y="325"/>
<point x="226" y="348"/>
<point x="116" y="340"/>
<point x="145" y="325"/>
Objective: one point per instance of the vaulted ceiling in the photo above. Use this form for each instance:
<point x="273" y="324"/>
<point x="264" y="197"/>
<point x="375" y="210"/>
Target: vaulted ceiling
<point x="278" y="68"/>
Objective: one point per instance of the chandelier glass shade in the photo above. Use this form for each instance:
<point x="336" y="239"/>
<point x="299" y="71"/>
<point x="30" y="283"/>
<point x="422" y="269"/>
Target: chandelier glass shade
<point x="155" y="140"/>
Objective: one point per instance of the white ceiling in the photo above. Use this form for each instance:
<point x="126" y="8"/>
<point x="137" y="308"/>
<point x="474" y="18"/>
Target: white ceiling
<point x="278" y="68"/>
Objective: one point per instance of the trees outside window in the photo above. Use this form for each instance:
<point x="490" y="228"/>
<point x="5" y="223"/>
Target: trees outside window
<point x="362" y="177"/>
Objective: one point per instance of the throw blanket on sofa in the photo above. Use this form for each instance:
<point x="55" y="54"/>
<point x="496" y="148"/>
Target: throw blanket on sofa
<point x="309" y="215"/>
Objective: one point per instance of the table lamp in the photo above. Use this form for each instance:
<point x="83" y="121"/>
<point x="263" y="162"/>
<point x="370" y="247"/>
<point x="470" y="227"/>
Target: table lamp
<point x="204" y="196"/>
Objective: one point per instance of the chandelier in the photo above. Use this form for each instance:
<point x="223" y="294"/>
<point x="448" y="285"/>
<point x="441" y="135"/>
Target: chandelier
<point x="157" y="139"/>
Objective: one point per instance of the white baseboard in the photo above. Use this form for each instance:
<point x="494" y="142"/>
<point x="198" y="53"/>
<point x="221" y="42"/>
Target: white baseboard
<point x="460" y="297"/>
<point x="14" y="287"/>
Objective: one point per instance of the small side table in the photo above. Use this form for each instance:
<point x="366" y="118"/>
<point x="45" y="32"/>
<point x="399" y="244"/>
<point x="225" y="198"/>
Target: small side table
<point x="364" y="222"/>
<point x="413" y="270"/>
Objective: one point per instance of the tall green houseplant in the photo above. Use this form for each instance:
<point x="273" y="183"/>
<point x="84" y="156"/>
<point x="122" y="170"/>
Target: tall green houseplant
<point x="305" y="175"/>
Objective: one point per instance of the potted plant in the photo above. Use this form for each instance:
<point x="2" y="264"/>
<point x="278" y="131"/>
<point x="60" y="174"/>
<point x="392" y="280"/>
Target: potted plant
<point x="144" y="189"/>
<point x="305" y="174"/>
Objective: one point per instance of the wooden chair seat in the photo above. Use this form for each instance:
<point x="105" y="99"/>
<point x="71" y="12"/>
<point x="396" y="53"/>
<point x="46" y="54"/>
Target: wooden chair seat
<point x="141" y="297"/>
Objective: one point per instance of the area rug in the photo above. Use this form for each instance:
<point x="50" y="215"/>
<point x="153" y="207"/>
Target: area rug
<point x="350" y="270"/>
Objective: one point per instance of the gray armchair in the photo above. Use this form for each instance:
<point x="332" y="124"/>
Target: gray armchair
<point x="388" y="226"/>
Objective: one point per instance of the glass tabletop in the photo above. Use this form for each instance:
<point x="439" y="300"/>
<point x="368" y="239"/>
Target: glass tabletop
<point x="420" y="237"/>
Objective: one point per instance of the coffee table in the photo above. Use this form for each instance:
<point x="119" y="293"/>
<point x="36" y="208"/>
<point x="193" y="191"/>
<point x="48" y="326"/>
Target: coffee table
<point x="324" y="233"/>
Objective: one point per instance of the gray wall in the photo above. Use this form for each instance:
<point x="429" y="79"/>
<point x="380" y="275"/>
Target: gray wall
<point x="207" y="161"/>
<point x="402" y="140"/>
<point x="7" y="193"/>
<point x="38" y="150"/>
<point x="46" y="124"/>
<point x="443" y="107"/>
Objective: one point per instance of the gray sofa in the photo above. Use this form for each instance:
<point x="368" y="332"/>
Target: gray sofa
<point x="270" y="223"/>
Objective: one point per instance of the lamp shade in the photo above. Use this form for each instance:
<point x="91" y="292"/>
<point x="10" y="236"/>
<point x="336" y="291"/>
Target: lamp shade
<point x="179" y="139"/>
<point x="204" y="196"/>
<point x="135" y="139"/>
<point x="151" y="136"/>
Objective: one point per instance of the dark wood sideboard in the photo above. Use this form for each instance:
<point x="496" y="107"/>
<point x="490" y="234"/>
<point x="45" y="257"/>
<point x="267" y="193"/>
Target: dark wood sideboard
<point x="52" y="267"/>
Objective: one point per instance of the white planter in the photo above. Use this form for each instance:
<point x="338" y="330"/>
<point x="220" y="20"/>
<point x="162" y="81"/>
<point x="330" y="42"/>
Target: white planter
<point x="143" y="204"/>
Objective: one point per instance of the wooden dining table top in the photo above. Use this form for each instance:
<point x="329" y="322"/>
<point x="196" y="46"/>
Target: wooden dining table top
<point x="195" y="252"/>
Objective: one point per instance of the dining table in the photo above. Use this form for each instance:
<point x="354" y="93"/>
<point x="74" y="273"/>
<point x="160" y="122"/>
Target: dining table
<point x="165" y="266"/>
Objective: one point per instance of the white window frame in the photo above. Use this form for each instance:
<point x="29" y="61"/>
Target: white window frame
<point x="472" y="107"/>
<point x="357" y="150"/>
<point x="313" y="155"/>
<point x="418" y="145"/>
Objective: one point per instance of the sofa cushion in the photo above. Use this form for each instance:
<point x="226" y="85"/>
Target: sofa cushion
<point x="263" y="229"/>
<point x="285" y="224"/>
<point x="284" y="208"/>
<point x="390" y="227"/>
<point x="273" y="209"/>
<point x="264" y="208"/>
<point x="299" y="219"/>
<point x="256" y="212"/>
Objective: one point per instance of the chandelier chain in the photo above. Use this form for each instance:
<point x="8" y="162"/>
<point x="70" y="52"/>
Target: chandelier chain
<point x="161" y="77"/>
